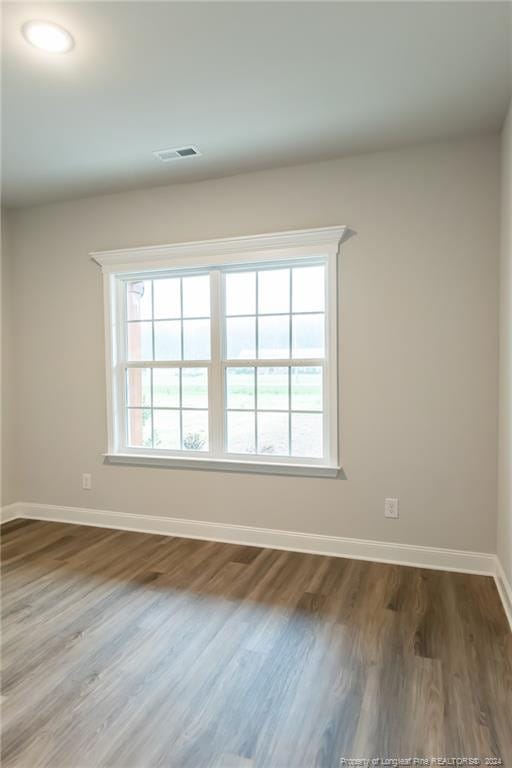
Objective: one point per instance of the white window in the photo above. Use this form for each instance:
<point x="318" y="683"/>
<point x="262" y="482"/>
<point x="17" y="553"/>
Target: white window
<point x="224" y="353"/>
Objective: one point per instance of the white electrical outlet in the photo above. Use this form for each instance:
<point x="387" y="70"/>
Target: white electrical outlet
<point x="86" y="482"/>
<point x="391" y="508"/>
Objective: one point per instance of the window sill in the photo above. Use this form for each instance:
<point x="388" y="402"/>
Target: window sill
<point x="222" y="465"/>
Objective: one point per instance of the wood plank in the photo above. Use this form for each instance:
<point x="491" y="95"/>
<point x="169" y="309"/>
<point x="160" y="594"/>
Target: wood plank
<point x="128" y="650"/>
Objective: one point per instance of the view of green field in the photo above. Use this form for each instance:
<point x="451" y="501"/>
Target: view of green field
<point x="278" y="394"/>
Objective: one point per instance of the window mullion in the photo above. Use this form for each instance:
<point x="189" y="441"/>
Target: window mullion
<point x="167" y="364"/>
<point x="181" y="398"/>
<point x="290" y="347"/>
<point x="256" y="407"/>
<point x="271" y="362"/>
<point x="121" y="426"/>
<point x="215" y="383"/>
<point x="153" y="356"/>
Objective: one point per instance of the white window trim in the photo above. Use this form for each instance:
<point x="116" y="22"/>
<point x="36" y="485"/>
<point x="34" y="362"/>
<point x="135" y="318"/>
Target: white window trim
<point x="282" y="246"/>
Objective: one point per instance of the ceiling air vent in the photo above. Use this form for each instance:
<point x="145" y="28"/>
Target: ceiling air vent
<point x="175" y="153"/>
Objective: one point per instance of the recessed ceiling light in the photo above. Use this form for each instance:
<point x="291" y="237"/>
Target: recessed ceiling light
<point x="47" y="36"/>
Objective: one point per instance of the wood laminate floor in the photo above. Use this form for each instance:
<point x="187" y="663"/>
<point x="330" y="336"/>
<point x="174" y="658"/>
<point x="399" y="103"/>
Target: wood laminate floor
<point x="128" y="650"/>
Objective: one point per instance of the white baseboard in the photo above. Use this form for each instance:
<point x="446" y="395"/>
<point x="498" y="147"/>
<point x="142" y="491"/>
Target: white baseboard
<point x="482" y="563"/>
<point x="362" y="549"/>
<point x="505" y="590"/>
<point x="10" y="512"/>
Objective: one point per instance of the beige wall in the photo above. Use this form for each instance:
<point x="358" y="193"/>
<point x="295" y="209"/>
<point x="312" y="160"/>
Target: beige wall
<point x="505" y="404"/>
<point x="8" y="490"/>
<point x="418" y="345"/>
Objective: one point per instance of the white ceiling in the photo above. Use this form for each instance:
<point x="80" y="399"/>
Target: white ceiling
<point x="252" y="84"/>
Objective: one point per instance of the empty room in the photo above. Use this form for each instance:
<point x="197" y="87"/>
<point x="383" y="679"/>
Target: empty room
<point x="256" y="385"/>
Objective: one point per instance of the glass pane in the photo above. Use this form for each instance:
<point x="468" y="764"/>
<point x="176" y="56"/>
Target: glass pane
<point x="307" y="389"/>
<point x="138" y="387"/>
<point x="273" y="291"/>
<point x="166" y="387"/>
<point x="168" y="340"/>
<point x="167" y="298"/>
<point x="195" y="430"/>
<point x="241" y="293"/>
<point x="273" y="389"/>
<point x="241" y="430"/>
<point x="240" y="387"/>
<point x="166" y="427"/>
<point x="273" y="433"/>
<point x="240" y="338"/>
<point x="196" y="339"/>
<point x="274" y="336"/>
<point x="139" y="428"/>
<point x="308" y="289"/>
<point x="196" y="296"/>
<point x="194" y="388"/>
<point x="138" y="300"/>
<point x="140" y="341"/>
<point x="307" y="435"/>
<point x="308" y="336"/>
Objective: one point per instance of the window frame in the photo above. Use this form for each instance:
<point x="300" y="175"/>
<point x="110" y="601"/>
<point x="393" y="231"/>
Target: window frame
<point x="218" y="257"/>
